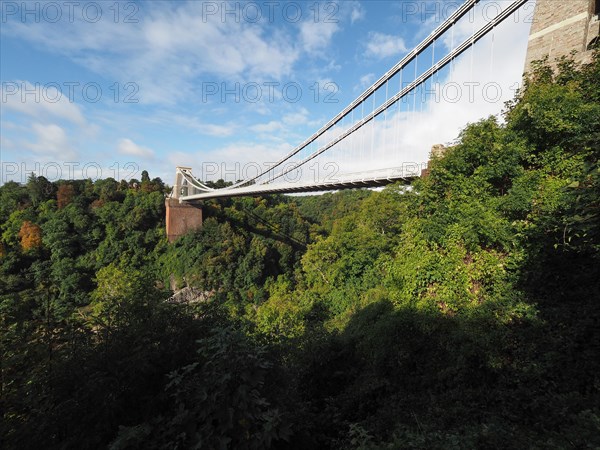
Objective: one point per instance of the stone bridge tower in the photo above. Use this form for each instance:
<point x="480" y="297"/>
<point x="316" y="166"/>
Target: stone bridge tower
<point x="561" y="26"/>
<point x="181" y="217"/>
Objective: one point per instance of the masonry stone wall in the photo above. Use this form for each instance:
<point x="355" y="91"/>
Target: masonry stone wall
<point x="181" y="218"/>
<point x="560" y="27"/>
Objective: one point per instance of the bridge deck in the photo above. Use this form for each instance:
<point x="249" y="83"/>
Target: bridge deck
<point x="282" y="188"/>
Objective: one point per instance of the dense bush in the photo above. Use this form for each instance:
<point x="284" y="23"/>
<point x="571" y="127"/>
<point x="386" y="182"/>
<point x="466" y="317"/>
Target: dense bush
<point x="459" y="312"/>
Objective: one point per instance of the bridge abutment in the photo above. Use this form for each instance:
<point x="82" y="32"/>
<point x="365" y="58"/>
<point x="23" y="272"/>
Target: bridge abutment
<point x="181" y="218"/>
<point x="560" y="27"/>
<point x="437" y="151"/>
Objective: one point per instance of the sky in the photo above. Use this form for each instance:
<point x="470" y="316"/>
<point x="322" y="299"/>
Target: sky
<point x="108" y="89"/>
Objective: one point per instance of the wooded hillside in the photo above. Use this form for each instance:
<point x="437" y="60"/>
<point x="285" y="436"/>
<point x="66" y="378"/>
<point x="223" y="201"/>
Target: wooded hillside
<point x="460" y="312"/>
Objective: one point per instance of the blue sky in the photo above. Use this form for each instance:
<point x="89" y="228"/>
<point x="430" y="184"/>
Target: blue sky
<point x="109" y="89"/>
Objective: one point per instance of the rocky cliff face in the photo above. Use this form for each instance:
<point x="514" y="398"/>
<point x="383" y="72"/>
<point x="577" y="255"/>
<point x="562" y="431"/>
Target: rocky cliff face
<point x="190" y="294"/>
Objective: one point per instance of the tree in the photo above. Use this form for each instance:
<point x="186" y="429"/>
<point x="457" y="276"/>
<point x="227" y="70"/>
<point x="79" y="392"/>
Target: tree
<point x="123" y="296"/>
<point x="30" y="235"/>
<point x="64" y="195"/>
<point x="40" y="189"/>
<point x="12" y="197"/>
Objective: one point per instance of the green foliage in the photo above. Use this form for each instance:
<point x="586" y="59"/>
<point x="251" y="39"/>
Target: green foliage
<point x="283" y="314"/>
<point x="459" y="312"/>
<point x="39" y="189"/>
<point x="13" y="196"/>
<point x="238" y="250"/>
<point x="219" y="401"/>
<point x="123" y="295"/>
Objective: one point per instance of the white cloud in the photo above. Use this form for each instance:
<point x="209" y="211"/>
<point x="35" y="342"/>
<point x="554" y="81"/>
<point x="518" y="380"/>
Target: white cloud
<point x="128" y="147"/>
<point x="39" y="101"/>
<point x="239" y="160"/>
<point x="269" y="127"/>
<point x="286" y="127"/>
<point x="346" y="10"/>
<point x="403" y="139"/>
<point x="217" y="130"/>
<point x="365" y="81"/>
<point x="299" y="117"/>
<point x="407" y="136"/>
<point x="5" y="143"/>
<point x="51" y="143"/>
<point x="172" y="49"/>
<point x="167" y="51"/>
<point x="195" y="124"/>
<point x="384" y="45"/>
<point x="357" y="13"/>
<point x="396" y="138"/>
<point x="473" y="21"/>
<point x="316" y="35"/>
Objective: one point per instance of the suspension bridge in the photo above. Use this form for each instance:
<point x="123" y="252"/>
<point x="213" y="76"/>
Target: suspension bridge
<point x="361" y="146"/>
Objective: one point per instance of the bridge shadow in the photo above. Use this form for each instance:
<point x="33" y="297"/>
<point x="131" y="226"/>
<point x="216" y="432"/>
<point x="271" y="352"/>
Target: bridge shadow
<point x="252" y="222"/>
